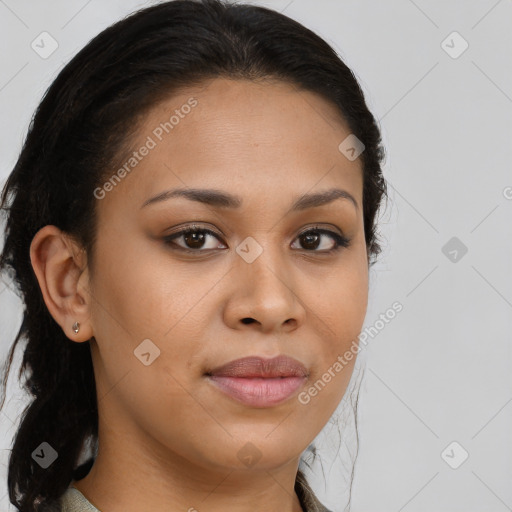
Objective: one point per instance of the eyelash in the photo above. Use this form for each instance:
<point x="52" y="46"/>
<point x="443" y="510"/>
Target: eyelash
<point x="340" y="241"/>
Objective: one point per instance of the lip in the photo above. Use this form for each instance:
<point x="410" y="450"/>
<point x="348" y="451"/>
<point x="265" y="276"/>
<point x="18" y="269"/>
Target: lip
<point x="258" y="381"/>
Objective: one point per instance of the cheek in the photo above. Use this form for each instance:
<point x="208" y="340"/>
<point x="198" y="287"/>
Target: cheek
<point x="145" y="291"/>
<point x="339" y="310"/>
<point x="341" y="306"/>
<point x="140" y="294"/>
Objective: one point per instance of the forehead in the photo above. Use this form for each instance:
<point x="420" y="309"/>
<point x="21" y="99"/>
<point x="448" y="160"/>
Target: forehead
<point x="252" y="138"/>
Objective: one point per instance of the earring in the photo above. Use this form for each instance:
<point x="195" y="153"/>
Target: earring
<point x="76" y="327"/>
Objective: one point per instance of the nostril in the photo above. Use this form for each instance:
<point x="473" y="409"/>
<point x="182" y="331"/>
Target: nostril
<point x="247" y="320"/>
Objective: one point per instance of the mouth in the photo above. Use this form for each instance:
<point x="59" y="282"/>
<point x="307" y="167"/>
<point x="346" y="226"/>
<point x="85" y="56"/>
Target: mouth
<point x="259" y="382"/>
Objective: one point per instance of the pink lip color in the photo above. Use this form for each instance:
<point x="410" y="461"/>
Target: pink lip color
<point x="258" y="391"/>
<point x="258" y="381"/>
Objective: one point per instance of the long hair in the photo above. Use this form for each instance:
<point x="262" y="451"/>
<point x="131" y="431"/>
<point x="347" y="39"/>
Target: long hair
<point x="85" y="121"/>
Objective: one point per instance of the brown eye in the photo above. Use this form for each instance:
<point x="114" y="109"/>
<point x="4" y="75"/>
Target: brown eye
<point x="194" y="239"/>
<point x="312" y="239"/>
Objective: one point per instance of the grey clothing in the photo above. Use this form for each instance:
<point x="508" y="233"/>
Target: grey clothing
<point x="74" y="501"/>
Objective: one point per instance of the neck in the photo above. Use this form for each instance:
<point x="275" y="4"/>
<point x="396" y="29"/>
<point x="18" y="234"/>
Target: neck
<point x="130" y="480"/>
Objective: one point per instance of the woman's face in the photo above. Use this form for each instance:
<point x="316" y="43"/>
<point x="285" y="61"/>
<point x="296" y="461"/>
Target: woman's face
<point x="167" y="311"/>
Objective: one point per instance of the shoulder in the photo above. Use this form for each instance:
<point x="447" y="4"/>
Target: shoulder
<point x="74" y="501"/>
<point x="308" y="499"/>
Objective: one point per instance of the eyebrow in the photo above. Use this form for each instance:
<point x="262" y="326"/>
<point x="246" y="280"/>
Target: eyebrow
<point x="219" y="199"/>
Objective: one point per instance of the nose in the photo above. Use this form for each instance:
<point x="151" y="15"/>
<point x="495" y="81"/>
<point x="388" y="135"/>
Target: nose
<point x="265" y="296"/>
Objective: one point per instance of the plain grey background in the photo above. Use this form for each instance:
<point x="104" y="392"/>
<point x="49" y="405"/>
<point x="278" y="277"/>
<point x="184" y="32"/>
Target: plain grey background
<point x="435" y="411"/>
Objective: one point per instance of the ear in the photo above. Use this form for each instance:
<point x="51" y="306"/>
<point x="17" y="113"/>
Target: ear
<point x="61" y="269"/>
